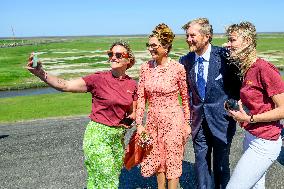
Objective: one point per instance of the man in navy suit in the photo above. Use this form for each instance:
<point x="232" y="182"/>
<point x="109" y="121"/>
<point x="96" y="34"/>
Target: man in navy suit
<point x="211" y="81"/>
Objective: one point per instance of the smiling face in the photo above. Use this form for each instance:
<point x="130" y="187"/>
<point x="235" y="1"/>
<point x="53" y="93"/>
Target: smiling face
<point x="239" y="46"/>
<point x="118" y="57"/>
<point x="242" y="42"/>
<point x="196" y="40"/>
<point x="235" y="43"/>
<point x="156" y="49"/>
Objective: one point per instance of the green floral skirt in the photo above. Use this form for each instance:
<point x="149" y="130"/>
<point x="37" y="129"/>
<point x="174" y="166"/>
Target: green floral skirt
<point x="103" y="149"/>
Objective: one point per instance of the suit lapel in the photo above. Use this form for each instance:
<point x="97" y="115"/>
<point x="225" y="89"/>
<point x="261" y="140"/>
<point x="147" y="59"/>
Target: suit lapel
<point x="192" y="71"/>
<point x="193" y="74"/>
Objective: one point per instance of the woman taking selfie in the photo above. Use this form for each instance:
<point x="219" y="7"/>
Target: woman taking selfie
<point x="113" y="101"/>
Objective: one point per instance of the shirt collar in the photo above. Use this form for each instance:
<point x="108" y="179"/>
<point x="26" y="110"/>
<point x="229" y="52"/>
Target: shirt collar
<point x="206" y="55"/>
<point x="122" y="78"/>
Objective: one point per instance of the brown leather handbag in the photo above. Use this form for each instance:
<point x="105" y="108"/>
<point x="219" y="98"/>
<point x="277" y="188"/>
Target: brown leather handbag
<point x="137" y="149"/>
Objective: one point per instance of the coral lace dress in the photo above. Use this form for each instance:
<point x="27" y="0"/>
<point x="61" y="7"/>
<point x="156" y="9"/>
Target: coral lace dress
<point x="166" y="121"/>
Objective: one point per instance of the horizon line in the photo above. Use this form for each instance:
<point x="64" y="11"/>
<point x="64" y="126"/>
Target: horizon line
<point x="119" y="35"/>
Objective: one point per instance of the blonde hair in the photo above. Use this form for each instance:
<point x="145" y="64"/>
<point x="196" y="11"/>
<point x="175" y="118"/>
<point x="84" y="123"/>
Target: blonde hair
<point x="206" y="27"/>
<point x="164" y="35"/>
<point x="128" y="49"/>
<point x="245" y="29"/>
<point x="247" y="55"/>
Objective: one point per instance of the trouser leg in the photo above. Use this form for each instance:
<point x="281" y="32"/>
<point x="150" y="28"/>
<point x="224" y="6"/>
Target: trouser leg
<point x="259" y="154"/>
<point x="221" y="164"/>
<point x="202" y="149"/>
<point x="103" y="150"/>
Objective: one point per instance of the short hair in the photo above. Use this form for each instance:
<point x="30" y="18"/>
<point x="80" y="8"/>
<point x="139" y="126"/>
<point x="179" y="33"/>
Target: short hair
<point x="164" y="35"/>
<point x="128" y="49"/>
<point x="206" y="27"/>
<point x="245" y="29"/>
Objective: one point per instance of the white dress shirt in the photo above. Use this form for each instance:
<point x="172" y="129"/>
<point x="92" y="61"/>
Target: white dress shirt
<point x="206" y="57"/>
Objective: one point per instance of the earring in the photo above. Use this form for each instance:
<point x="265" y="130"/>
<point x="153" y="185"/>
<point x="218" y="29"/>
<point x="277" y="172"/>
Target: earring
<point x="166" y="51"/>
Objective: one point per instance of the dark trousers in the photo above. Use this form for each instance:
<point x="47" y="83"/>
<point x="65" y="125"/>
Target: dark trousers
<point x="204" y="143"/>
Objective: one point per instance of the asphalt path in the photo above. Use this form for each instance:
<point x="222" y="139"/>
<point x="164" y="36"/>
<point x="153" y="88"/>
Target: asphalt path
<point x="48" y="154"/>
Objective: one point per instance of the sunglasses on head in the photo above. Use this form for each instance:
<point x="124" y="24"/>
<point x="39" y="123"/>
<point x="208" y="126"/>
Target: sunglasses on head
<point x="153" y="45"/>
<point x="118" y="55"/>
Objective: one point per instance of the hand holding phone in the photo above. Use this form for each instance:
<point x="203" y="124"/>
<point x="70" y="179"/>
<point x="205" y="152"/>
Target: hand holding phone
<point x="232" y="104"/>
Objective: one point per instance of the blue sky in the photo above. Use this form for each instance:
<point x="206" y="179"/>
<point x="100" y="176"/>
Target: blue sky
<point x="116" y="17"/>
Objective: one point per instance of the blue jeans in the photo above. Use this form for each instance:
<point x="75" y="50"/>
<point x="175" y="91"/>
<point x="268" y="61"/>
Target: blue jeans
<point x="259" y="154"/>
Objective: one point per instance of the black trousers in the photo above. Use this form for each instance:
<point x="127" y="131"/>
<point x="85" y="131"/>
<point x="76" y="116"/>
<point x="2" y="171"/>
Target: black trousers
<point x="204" y="144"/>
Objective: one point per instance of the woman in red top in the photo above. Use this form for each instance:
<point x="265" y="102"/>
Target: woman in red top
<point x="262" y="93"/>
<point x="113" y="100"/>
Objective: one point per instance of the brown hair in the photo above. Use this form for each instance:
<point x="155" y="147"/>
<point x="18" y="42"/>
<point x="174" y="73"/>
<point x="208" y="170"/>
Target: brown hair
<point x="164" y="35"/>
<point x="206" y="27"/>
<point x="128" y="49"/>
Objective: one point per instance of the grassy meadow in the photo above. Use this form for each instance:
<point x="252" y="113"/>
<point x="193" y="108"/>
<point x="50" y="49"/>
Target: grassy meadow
<point x="70" y="57"/>
<point x="43" y="106"/>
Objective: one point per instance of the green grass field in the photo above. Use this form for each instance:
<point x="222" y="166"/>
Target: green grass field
<point x="43" y="106"/>
<point x="77" y="56"/>
<point x="81" y="55"/>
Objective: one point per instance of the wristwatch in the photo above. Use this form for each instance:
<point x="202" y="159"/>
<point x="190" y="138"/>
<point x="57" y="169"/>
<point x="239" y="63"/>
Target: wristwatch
<point x="251" y="120"/>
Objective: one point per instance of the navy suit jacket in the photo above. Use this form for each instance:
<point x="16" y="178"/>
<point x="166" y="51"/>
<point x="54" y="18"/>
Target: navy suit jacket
<point x="223" y="82"/>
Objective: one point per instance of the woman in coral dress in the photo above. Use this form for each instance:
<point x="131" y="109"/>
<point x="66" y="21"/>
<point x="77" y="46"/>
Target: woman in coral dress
<point x="161" y="82"/>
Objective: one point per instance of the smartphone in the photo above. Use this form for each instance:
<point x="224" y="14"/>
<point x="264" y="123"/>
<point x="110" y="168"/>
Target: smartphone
<point x="127" y="121"/>
<point x="35" y="59"/>
<point x="232" y="104"/>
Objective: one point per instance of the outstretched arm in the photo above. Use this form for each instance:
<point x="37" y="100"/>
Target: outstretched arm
<point x="74" y="85"/>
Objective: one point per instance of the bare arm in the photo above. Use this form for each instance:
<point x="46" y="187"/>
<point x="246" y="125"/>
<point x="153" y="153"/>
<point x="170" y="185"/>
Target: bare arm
<point x="275" y="114"/>
<point x="132" y="112"/>
<point x="74" y="85"/>
<point x="272" y="115"/>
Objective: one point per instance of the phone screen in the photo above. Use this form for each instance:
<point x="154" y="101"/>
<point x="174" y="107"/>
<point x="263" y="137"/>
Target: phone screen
<point x="35" y="59"/>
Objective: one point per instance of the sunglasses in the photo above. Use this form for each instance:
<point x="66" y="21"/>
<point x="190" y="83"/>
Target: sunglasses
<point x="153" y="46"/>
<point x="118" y="55"/>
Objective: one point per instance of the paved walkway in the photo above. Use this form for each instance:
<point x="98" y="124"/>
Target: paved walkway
<point x="48" y="154"/>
